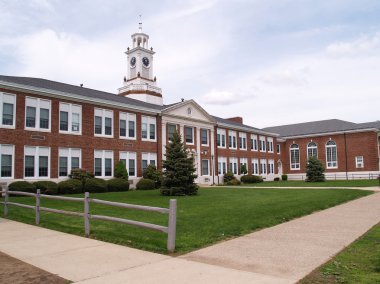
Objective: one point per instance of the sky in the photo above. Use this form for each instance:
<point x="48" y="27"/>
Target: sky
<point x="271" y="62"/>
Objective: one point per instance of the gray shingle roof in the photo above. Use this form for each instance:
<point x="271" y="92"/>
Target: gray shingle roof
<point x="239" y="125"/>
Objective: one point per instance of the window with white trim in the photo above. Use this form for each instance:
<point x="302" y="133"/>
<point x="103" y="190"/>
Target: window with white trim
<point x="129" y="160"/>
<point x="148" y="128"/>
<point x="233" y="165"/>
<point x="189" y="135"/>
<point x="37" y="114"/>
<point x="222" y="165"/>
<point x="263" y="166"/>
<point x="127" y="125"/>
<point x="204" y="137"/>
<point x="70" y="118"/>
<point x="103" y="122"/>
<point x="6" y="161"/>
<point x="294" y="157"/>
<point x="255" y="166"/>
<point x="221" y="138"/>
<point x="312" y="150"/>
<point x="359" y="160"/>
<point x="205" y="167"/>
<point x="253" y="142"/>
<point x="36" y="162"/>
<point x="270" y="166"/>
<point x="331" y="155"/>
<point x="270" y="144"/>
<point x="278" y="149"/>
<point x="7" y="110"/>
<point x="262" y="144"/>
<point x="68" y="160"/>
<point x="148" y="159"/>
<point x="103" y="163"/>
<point x="232" y="139"/>
<point x="243" y="161"/>
<point x="242" y="141"/>
<point x="172" y="129"/>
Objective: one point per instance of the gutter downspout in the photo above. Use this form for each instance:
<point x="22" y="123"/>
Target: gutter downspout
<point x="345" y="152"/>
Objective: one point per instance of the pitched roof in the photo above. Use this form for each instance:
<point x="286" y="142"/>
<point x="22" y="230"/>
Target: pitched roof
<point x="317" y="127"/>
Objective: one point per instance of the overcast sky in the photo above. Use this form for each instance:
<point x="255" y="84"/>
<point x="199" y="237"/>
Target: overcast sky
<point x="272" y="62"/>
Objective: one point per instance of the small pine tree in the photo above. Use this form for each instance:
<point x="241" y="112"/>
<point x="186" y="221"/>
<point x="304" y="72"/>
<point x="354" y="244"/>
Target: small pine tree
<point x="152" y="173"/>
<point x="243" y="169"/>
<point x="120" y="171"/>
<point x="179" y="171"/>
<point x="315" y="171"/>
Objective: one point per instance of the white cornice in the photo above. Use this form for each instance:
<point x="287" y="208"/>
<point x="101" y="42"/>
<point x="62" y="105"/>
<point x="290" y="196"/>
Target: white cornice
<point x="253" y="131"/>
<point x="332" y="133"/>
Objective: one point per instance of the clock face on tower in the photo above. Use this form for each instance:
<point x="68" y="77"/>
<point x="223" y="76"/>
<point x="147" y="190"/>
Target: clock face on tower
<point x="133" y="61"/>
<point x="145" y="61"/>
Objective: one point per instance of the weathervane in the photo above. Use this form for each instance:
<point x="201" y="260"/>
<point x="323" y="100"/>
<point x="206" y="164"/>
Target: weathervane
<point x="140" y="25"/>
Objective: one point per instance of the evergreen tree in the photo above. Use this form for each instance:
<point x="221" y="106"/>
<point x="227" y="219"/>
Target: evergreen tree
<point x="120" y="171"/>
<point x="179" y="172"/>
<point x="243" y="169"/>
<point x="152" y="173"/>
<point x="315" y="171"/>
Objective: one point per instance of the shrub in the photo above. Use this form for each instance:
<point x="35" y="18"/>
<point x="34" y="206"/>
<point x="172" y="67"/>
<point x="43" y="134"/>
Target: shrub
<point x="228" y="176"/>
<point x="82" y="175"/>
<point x="152" y="173"/>
<point x="315" y="171"/>
<point x="251" y="179"/>
<point x="284" y="177"/>
<point x="23" y="186"/>
<point x="120" y="171"/>
<point x="243" y="169"/>
<point x="276" y="179"/>
<point x="118" y="184"/>
<point x="145" y="184"/>
<point x="179" y="191"/>
<point x="47" y="187"/>
<point x="70" y="186"/>
<point x="95" y="185"/>
<point x="233" y="182"/>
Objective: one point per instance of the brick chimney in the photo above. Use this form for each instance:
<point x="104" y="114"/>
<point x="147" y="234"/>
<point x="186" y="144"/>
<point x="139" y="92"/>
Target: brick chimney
<point x="237" y="119"/>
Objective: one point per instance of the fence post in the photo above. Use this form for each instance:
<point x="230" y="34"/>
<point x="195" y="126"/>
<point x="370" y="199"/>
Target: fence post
<point x="172" y="225"/>
<point x="38" y="201"/>
<point x="6" y="196"/>
<point x="86" y="214"/>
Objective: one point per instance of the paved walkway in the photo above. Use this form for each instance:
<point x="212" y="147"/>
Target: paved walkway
<point x="281" y="254"/>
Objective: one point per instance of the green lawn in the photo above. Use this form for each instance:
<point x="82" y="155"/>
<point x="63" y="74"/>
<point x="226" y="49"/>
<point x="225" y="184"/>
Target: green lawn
<point x="358" y="263"/>
<point x="329" y="183"/>
<point x="211" y="216"/>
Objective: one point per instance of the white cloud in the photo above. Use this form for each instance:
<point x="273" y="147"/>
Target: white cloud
<point x="215" y="97"/>
<point x="364" y="45"/>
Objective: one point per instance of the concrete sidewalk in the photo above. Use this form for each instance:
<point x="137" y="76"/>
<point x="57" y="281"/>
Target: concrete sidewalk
<point x="281" y="254"/>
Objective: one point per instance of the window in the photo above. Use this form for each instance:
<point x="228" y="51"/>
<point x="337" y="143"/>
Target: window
<point x="312" y="150"/>
<point x="231" y="139"/>
<point x="270" y="144"/>
<point x="129" y="160"/>
<point x="148" y="159"/>
<point x="172" y="128"/>
<point x="294" y="157"/>
<point x="359" y="160"/>
<point x="127" y="125"/>
<point x="262" y="144"/>
<point x="253" y="142"/>
<point x="189" y="135"/>
<point x="221" y="138"/>
<point x="278" y="149"/>
<point x="242" y="141"/>
<point x="270" y="166"/>
<point x="255" y="166"/>
<point x="263" y="166"/>
<point x="70" y="118"/>
<point x="148" y="128"/>
<point x="103" y="163"/>
<point x="7" y="110"/>
<point x="36" y="162"/>
<point x="331" y="155"/>
<point x="6" y="161"/>
<point x="243" y="161"/>
<point x="222" y="165"/>
<point x="68" y="160"/>
<point x="233" y="165"/>
<point x="37" y="114"/>
<point x="204" y="137"/>
<point x="103" y="122"/>
<point x="205" y="168"/>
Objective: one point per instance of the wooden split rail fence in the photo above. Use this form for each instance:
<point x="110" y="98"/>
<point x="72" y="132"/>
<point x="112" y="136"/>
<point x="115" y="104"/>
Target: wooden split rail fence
<point x="170" y="230"/>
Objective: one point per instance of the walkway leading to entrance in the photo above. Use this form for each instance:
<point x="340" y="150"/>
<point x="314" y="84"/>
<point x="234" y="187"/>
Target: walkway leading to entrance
<point x="281" y="254"/>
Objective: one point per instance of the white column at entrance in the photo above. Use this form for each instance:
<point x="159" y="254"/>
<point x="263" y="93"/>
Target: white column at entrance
<point x="163" y="140"/>
<point x="199" y="173"/>
<point x="181" y="132"/>
<point x="212" y="155"/>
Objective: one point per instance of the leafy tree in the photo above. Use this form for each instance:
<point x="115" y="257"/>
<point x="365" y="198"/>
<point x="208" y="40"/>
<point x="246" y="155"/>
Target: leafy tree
<point x="152" y="173"/>
<point x="243" y="169"/>
<point x="315" y="171"/>
<point x="120" y="171"/>
<point x="179" y="172"/>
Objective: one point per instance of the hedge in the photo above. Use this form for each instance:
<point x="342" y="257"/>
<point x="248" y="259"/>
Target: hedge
<point x="284" y="177"/>
<point x="23" y="186"/>
<point x="233" y="182"/>
<point x="47" y="187"/>
<point x="145" y="184"/>
<point x="118" y="184"/>
<point x="70" y="186"/>
<point x="251" y="179"/>
<point x="95" y="185"/>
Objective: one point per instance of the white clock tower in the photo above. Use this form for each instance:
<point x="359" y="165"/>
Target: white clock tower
<point x="140" y="84"/>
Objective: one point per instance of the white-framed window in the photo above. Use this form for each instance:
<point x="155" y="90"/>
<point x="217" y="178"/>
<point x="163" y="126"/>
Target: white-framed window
<point x="127" y="125"/>
<point x="270" y="144"/>
<point x="312" y="150"/>
<point x="221" y="138"/>
<point x="331" y="155"/>
<point x="172" y="128"/>
<point x="129" y="160"/>
<point x="233" y="165"/>
<point x="232" y="139"/>
<point x="68" y="160"/>
<point x="262" y="144"/>
<point x="294" y="157"/>
<point x="204" y="137"/>
<point x="7" y="154"/>
<point x="189" y="135"/>
<point x="70" y="118"/>
<point x="243" y="161"/>
<point x="205" y="167"/>
<point x="148" y="159"/>
<point x="36" y="162"/>
<point x="103" y="163"/>
<point x="242" y="141"/>
<point x="263" y="166"/>
<point x="222" y="165"/>
<point x="148" y="128"/>
<point x="359" y="160"/>
<point x="278" y="149"/>
<point x="255" y="166"/>
<point x="7" y="110"/>
<point x="270" y="166"/>
<point x="103" y="121"/>
<point x="37" y="114"/>
<point x="253" y="142"/>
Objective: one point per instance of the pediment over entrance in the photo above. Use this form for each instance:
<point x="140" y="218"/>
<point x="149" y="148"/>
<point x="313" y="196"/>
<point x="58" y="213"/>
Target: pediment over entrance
<point x="188" y="110"/>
